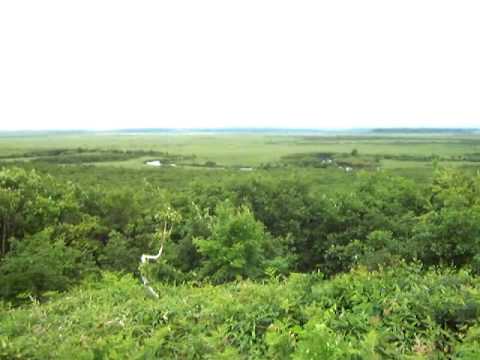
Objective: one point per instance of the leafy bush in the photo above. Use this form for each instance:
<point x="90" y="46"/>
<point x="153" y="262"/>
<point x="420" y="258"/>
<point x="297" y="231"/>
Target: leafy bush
<point x="119" y="254"/>
<point x="236" y="247"/>
<point x="38" y="264"/>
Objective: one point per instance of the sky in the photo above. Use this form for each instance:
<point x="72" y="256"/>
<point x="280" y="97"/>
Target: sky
<point x="101" y="64"/>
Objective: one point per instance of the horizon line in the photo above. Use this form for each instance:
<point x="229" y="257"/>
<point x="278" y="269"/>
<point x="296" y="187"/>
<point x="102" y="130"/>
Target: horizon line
<point x="240" y="128"/>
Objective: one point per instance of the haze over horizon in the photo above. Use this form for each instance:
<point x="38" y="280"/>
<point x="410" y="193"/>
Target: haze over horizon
<point x="219" y="64"/>
<point x="237" y="128"/>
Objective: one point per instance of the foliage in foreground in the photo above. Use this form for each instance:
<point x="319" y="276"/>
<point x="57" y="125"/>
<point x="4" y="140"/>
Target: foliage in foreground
<point x="404" y="313"/>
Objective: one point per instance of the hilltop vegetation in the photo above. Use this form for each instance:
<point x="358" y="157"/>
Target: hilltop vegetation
<point x="292" y="260"/>
<point x="398" y="313"/>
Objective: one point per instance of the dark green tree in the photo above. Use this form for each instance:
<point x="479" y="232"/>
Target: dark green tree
<point x="41" y="263"/>
<point x="236" y="247"/>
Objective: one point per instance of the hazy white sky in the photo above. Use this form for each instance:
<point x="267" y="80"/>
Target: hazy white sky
<point x="325" y="64"/>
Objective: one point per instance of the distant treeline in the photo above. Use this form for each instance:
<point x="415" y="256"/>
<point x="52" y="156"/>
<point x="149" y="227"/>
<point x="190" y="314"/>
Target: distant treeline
<point x="356" y="160"/>
<point x="308" y="132"/>
<point x="223" y="130"/>
<point x="424" y="130"/>
<point x="85" y="155"/>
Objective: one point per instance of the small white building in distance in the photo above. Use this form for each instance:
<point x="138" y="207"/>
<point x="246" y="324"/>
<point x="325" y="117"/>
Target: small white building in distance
<point x="154" y="163"/>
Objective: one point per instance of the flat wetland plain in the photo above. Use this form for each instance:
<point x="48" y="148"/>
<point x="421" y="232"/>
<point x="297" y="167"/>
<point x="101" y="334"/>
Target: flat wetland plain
<point x="204" y="154"/>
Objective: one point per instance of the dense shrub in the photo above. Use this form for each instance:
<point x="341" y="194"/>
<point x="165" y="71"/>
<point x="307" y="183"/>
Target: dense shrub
<point x="400" y="313"/>
<point x="39" y="263"/>
<point x="120" y="254"/>
<point x="270" y="226"/>
<point x="236" y="247"/>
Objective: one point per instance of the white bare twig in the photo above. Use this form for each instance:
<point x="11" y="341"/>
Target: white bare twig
<point x="145" y="258"/>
